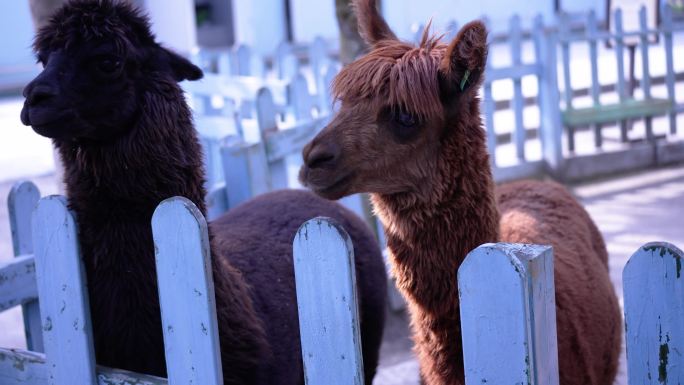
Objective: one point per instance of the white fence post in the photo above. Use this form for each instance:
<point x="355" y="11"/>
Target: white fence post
<point x="327" y="303"/>
<point x="63" y="293"/>
<point x="508" y="315"/>
<point x="266" y="121"/>
<point x="186" y="294"/>
<point x="653" y="285"/>
<point x="21" y="201"/>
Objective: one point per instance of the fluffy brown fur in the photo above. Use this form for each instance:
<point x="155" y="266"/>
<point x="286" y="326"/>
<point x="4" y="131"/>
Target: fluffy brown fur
<point x="409" y="132"/>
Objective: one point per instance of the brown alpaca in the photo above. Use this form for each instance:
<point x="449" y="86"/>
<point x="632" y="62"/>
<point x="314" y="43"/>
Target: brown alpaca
<point x="409" y="132"/>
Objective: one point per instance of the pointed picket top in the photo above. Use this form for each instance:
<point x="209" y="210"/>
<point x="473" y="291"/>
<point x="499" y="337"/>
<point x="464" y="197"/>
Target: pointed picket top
<point x="186" y="293"/>
<point x="62" y="288"/>
<point x="653" y="285"/>
<point x="327" y="302"/>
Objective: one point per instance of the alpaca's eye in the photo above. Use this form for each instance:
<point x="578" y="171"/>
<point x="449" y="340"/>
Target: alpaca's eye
<point x="404" y="125"/>
<point x="405" y="119"/>
<point x="41" y="58"/>
<point x="107" y="64"/>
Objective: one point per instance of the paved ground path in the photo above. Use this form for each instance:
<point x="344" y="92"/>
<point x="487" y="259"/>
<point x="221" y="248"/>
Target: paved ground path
<point x="629" y="210"/>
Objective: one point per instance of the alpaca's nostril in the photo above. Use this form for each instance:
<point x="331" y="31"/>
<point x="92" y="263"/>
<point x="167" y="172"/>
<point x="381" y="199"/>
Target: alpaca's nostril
<point x="321" y="157"/>
<point x="39" y="93"/>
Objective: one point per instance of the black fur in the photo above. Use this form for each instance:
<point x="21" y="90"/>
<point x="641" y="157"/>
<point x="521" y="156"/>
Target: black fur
<point x="109" y="98"/>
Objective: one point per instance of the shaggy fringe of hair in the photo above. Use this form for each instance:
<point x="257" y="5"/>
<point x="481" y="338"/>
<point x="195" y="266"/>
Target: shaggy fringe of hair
<point x="83" y="20"/>
<point x="397" y="75"/>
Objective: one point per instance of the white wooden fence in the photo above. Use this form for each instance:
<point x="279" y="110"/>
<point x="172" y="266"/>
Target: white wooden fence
<point x="506" y="291"/>
<point x="326" y="296"/>
<point x="553" y="130"/>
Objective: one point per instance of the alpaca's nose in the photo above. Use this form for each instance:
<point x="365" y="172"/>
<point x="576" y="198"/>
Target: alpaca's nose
<point x="37" y="92"/>
<point x="321" y="155"/>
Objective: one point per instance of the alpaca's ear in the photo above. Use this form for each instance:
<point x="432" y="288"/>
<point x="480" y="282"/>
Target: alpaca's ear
<point x="372" y="26"/>
<point x="180" y="67"/>
<point x="465" y="59"/>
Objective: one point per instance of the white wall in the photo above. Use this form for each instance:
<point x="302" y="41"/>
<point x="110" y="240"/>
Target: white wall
<point x="260" y="24"/>
<point x="317" y="17"/>
<point x="402" y="14"/>
<point x="173" y="23"/>
<point x="16" y="34"/>
<point x="311" y="18"/>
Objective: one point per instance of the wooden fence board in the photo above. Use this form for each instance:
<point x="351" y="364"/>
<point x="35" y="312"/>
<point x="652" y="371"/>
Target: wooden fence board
<point x="667" y="27"/>
<point x="20" y="367"/>
<point x="186" y="294"/>
<point x="653" y="283"/>
<point x="519" y="134"/>
<point x="18" y="284"/>
<point x="508" y="315"/>
<point x="22" y="199"/>
<point x="62" y="287"/>
<point x="327" y="303"/>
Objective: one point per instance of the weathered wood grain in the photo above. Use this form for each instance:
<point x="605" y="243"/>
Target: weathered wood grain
<point x="21" y="367"/>
<point x="62" y="288"/>
<point x="653" y="284"/>
<point x="508" y="315"/>
<point x="186" y="294"/>
<point x="327" y="303"/>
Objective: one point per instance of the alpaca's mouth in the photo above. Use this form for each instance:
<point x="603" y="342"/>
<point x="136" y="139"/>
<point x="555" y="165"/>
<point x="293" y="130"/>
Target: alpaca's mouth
<point x="48" y="122"/>
<point x="320" y="184"/>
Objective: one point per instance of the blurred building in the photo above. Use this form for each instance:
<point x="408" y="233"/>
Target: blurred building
<point x="262" y="24"/>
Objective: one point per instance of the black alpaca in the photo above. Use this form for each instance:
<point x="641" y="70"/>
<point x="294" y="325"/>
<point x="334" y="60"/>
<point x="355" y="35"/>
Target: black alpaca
<point x="109" y="98"/>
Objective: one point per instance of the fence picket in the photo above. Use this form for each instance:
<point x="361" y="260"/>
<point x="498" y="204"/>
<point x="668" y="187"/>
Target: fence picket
<point x="509" y="329"/>
<point x="246" y="171"/>
<point x="20" y="204"/>
<point x="620" y="58"/>
<point x="591" y="33"/>
<point x="549" y="97"/>
<point x="242" y="56"/>
<point x="489" y="107"/>
<point x="318" y="58"/>
<point x="653" y="287"/>
<point x="266" y="122"/>
<point x="564" y="31"/>
<point x="327" y="303"/>
<point x="324" y="94"/>
<point x="186" y="293"/>
<point x="62" y="287"/>
<point x="667" y="28"/>
<point x="300" y="98"/>
<point x="645" y="71"/>
<point x="519" y="133"/>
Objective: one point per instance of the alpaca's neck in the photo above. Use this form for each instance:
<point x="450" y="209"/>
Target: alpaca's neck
<point x="428" y="238"/>
<point x="114" y="189"/>
<point x="158" y="157"/>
